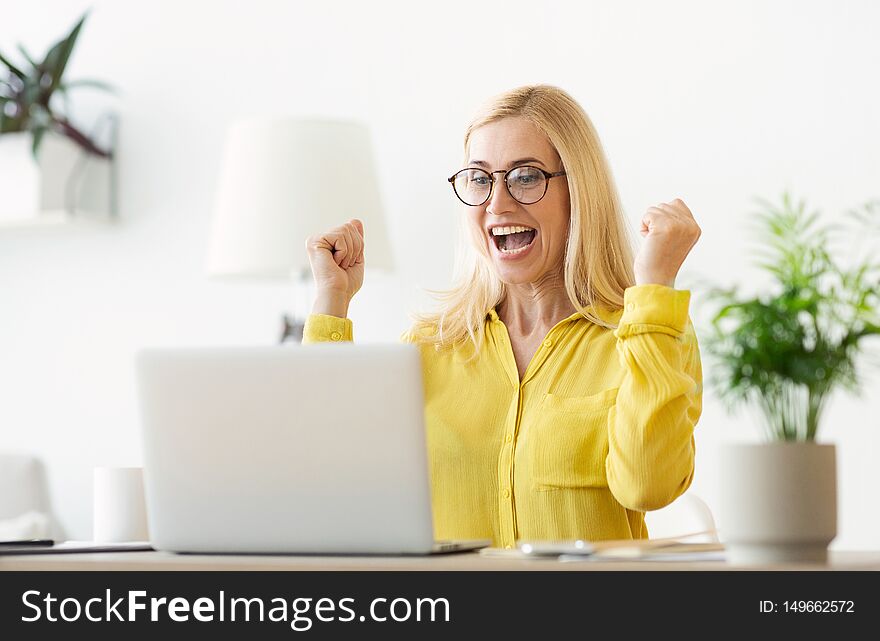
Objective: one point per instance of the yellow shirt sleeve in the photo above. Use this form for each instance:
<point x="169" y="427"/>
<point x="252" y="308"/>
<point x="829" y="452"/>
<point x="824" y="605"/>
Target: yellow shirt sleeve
<point x="322" y="328"/>
<point x="650" y="432"/>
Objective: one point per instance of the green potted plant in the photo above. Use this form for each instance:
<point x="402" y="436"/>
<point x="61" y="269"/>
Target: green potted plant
<point x="784" y="353"/>
<point x="41" y="150"/>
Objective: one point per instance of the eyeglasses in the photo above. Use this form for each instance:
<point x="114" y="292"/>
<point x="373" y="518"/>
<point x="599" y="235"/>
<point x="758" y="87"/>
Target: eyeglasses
<point x="526" y="184"/>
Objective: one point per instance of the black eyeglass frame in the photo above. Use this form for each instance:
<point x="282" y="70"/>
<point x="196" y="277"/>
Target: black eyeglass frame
<point x="547" y="176"/>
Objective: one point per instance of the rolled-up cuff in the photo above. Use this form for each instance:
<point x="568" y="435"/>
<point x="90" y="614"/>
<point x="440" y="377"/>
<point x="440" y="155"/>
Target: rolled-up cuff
<point x="323" y="328"/>
<point x="653" y="308"/>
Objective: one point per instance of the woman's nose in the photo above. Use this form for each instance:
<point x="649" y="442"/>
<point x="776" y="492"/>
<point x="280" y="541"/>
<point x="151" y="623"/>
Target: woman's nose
<point x="501" y="201"/>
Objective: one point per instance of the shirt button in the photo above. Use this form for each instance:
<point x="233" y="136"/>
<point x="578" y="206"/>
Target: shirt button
<point x="508" y="438"/>
<point x="336" y="336"/>
<point x="505" y="493"/>
<point x="630" y="306"/>
<point x="548" y="343"/>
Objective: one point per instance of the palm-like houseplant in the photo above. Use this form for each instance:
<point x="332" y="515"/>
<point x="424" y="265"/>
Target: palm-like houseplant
<point x="785" y="353"/>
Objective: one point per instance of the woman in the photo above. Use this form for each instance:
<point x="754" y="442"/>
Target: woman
<point x="562" y="378"/>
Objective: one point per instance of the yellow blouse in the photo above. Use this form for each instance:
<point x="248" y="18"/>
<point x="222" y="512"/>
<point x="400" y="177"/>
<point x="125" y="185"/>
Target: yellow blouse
<point x="599" y="430"/>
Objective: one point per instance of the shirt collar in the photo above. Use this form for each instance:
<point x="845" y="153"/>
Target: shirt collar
<point x="608" y="315"/>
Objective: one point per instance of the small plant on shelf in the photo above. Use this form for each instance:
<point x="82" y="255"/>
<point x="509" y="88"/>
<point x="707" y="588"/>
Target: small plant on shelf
<point x="28" y="95"/>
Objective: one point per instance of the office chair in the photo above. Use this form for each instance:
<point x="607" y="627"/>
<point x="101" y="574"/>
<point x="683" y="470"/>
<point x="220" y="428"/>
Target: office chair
<point x="685" y="515"/>
<point x="24" y="498"/>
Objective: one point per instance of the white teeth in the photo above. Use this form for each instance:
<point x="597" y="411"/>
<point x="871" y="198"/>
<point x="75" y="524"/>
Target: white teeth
<point x="503" y="231"/>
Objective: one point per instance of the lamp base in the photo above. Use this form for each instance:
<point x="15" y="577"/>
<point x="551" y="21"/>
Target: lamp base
<point x="291" y="328"/>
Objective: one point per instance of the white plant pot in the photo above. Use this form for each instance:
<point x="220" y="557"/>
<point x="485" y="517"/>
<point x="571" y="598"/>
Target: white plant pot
<point x="66" y="182"/>
<point x="19" y="177"/>
<point x="778" y="502"/>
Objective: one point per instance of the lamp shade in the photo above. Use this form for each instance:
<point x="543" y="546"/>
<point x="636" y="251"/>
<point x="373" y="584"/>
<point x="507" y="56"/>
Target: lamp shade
<point x="284" y="180"/>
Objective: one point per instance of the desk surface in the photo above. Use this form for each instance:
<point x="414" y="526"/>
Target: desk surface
<point x="838" y="560"/>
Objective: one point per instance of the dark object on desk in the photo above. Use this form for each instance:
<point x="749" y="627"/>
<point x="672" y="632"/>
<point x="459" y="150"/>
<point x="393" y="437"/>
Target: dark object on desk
<point x="292" y="328"/>
<point x="71" y="547"/>
<point x="28" y="542"/>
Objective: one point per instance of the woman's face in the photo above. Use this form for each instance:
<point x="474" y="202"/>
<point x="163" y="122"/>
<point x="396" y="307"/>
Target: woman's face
<point x="522" y="257"/>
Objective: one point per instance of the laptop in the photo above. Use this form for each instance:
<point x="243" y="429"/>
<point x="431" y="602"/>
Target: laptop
<point x="289" y="449"/>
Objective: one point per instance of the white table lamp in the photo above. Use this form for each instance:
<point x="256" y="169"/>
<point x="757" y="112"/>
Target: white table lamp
<point x="283" y="180"/>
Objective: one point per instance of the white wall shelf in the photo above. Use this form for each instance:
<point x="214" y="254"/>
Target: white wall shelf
<point x="58" y="218"/>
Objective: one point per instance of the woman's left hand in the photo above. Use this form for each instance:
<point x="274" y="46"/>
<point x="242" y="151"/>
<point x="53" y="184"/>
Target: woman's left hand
<point x="670" y="233"/>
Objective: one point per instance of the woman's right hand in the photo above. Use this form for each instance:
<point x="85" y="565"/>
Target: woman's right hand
<point x="337" y="261"/>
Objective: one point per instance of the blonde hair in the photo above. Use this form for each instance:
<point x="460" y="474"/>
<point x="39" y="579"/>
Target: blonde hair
<point x="598" y="256"/>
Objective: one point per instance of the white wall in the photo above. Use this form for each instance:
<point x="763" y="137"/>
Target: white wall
<point x="712" y="102"/>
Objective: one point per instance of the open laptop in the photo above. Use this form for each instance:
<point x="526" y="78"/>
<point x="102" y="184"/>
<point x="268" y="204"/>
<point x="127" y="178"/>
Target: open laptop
<point x="288" y="449"/>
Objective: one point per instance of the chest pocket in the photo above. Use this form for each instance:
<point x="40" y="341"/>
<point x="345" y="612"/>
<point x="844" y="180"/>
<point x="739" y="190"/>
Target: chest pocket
<point x="568" y="442"/>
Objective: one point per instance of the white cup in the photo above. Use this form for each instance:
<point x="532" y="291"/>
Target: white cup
<point x="120" y="512"/>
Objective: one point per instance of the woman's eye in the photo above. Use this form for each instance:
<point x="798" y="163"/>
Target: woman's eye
<point x="480" y="180"/>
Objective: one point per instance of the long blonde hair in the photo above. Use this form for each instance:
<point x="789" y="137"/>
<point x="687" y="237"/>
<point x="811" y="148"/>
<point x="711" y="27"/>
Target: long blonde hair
<point x="598" y="256"/>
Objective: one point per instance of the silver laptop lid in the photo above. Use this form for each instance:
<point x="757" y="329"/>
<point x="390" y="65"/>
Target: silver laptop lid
<point x="317" y="448"/>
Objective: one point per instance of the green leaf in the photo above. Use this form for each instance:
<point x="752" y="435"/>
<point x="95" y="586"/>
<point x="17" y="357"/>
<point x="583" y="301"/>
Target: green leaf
<point x="37" y="134"/>
<point x="18" y="72"/>
<point x="94" y="84"/>
<point x="27" y="56"/>
<point x="40" y="116"/>
<point x="30" y="93"/>
<point x="58" y="56"/>
<point x="9" y="124"/>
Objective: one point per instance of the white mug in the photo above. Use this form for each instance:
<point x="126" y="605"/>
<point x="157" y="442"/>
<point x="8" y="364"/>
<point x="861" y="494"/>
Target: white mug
<point x="120" y="512"/>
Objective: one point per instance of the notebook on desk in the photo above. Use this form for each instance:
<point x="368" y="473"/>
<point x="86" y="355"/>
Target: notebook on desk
<point x="679" y="548"/>
<point x="290" y="449"/>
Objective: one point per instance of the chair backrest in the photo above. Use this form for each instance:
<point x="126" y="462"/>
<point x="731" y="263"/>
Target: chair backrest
<point x="24" y="492"/>
<point x="686" y="515"/>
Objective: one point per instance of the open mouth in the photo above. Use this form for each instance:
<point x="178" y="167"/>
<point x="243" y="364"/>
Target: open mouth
<point x="513" y="240"/>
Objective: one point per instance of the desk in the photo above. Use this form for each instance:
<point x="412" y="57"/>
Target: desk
<point x="838" y="560"/>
